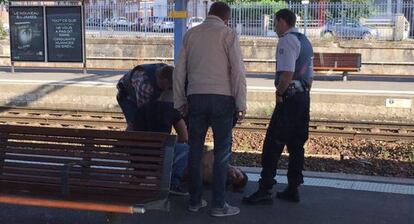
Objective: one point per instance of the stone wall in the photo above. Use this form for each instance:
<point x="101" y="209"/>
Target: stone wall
<point x="390" y="58"/>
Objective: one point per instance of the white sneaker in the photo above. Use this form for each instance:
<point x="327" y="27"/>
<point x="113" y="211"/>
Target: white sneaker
<point x="196" y="208"/>
<point x="227" y="210"/>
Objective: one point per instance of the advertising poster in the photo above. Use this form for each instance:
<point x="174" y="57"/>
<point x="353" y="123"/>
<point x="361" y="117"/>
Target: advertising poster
<point x="27" y="34"/>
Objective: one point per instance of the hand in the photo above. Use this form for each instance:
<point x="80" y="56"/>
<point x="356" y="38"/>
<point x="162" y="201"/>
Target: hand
<point x="279" y="99"/>
<point x="241" y="115"/>
<point x="183" y="110"/>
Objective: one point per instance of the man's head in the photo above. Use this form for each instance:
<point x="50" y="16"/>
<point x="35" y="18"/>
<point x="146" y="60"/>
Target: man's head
<point x="164" y="77"/>
<point x="238" y="179"/>
<point x="221" y="10"/>
<point x="283" y="20"/>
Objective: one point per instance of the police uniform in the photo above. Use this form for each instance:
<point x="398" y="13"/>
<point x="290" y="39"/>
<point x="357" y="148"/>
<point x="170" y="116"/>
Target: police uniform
<point x="290" y="120"/>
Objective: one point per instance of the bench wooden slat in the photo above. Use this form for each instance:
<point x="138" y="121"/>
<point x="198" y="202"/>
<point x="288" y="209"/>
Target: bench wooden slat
<point x="97" y="166"/>
<point x="337" y="61"/>
<point x="49" y="190"/>
<point x="144" y="149"/>
<point x="109" y="142"/>
<point x="76" y="154"/>
<point x="335" y="69"/>
<point x="69" y="132"/>
<point x="78" y="175"/>
<point x="149" y="166"/>
<point x="75" y="182"/>
<point x="133" y="172"/>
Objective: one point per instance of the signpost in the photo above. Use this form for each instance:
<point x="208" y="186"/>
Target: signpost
<point x="179" y="26"/>
<point x="48" y="32"/>
<point x="305" y="3"/>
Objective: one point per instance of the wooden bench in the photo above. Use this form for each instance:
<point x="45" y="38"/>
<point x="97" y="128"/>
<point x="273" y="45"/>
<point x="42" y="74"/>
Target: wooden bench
<point x="97" y="170"/>
<point x="342" y="62"/>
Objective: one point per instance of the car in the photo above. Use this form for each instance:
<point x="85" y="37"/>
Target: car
<point x="164" y="24"/>
<point x="194" y="21"/>
<point x="123" y="22"/>
<point x="348" y="29"/>
<point x="108" y="22"/>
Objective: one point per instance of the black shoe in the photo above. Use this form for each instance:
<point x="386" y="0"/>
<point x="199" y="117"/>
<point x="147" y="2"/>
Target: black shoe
<point x="178" y="191"/>
<point x="289" y="194"/>
<point x="259" y="197"/>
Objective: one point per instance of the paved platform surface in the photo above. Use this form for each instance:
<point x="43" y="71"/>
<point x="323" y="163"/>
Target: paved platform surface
<point x="257" y="82"/>
<point x="319" y="205"/>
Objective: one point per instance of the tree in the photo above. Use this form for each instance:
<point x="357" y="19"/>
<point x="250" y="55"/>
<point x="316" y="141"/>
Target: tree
<point x="255" y="10"/>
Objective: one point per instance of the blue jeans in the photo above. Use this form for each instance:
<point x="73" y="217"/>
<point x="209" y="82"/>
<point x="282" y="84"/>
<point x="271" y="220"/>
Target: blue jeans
<point x="180" y="162"/>
<point x="128" y="107"/>
<point x="217" y="111"/>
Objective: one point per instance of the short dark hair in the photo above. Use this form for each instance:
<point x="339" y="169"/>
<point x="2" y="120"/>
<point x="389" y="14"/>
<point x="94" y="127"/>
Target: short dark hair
<point x="166" y="72"/>
<point x="286" y="15"/>
<point x="239" y="186"/>
<point x="220" y="9"/>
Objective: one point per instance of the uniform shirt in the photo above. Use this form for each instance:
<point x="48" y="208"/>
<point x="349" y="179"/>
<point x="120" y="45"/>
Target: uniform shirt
<point x="156" y="116"/>
<point x="287" y="52"/>
<point x="211" y="60"/>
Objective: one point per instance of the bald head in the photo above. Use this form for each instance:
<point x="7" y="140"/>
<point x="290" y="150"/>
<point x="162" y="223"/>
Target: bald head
<point x="221" y="10"/>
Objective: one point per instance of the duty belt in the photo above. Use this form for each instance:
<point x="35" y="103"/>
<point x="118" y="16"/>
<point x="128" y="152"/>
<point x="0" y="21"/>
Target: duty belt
<point x="298" y="86"/>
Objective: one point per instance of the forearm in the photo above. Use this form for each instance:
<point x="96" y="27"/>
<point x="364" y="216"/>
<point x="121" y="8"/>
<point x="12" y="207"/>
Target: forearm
<point x="284" y="82"/>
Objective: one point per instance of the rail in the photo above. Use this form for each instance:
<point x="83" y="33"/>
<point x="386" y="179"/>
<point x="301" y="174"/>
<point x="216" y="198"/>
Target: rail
<point x="386" y="131"/>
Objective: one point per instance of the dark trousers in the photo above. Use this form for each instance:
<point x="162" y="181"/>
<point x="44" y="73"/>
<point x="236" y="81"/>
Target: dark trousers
<point x="215" y="111"/>
<point x="288" y="127"/>
<point x="128" y="107"/>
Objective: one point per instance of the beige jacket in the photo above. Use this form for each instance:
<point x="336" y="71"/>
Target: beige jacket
<point x="211" y="57"/>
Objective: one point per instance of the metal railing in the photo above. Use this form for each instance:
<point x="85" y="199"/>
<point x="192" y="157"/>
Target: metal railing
<point x="254" y="20"/>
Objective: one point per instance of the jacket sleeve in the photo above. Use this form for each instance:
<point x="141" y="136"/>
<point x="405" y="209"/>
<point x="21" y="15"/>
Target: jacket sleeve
<point x="179" y="77"/>
<point x="237" y="71"/>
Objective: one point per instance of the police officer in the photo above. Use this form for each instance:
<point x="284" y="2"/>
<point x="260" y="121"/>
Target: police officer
<point x="141" y="85"/>
<point x="290" y="120"/>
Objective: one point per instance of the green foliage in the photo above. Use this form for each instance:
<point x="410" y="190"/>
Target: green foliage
<point x="255" y="10"/>
<point x="411" y="153"/>
<point x="268" y="111"/>
<point x="3" y="33"/>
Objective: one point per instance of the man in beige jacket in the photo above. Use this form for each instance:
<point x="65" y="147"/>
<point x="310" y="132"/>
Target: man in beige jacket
<point x="211" y="61"/>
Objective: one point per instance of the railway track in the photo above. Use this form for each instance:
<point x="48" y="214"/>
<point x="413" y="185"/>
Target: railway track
<point x="115" y="121"/>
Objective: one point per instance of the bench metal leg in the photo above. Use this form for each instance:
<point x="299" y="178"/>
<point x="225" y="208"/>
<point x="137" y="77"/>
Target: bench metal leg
<point x="345" y="76"/>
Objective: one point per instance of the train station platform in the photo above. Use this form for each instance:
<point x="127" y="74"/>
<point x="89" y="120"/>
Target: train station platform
<point x="325" y="199"/>
<point x="361" y="98"/>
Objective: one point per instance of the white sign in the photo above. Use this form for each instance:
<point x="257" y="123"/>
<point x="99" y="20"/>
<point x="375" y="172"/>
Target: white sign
<point x="398" y="103"/>
<point x="304" y="2"/>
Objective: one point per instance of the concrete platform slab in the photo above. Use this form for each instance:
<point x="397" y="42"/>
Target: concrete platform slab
<point x="319" y="205"/>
